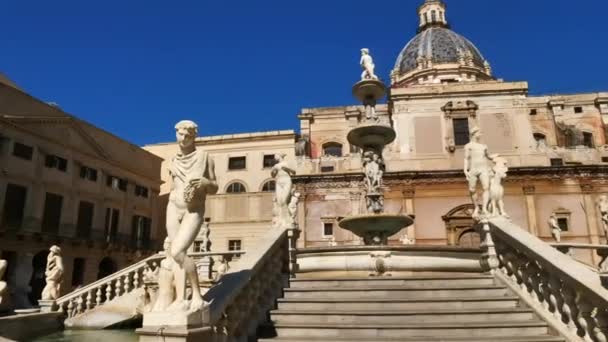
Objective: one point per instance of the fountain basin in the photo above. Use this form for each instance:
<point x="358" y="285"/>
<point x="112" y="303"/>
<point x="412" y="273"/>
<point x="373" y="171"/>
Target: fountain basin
<point x="376" y="229"/>
<point x="371" y="136"/>
<point x="369" y="90"/>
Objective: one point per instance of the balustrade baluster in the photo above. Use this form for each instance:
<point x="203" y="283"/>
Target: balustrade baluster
<point x="127" y="284"/>
<point x="117" y="287"/>
<point x="569" y="309"/>
<point x="544" y="274"/>
<point x="136" y="276"/>
<point x="71" y="308"/>
<point x="89" y="302"/>
<point x="98" y="296"/>
<point x="80" y="305"/>
<point x="109" y="291"/>
<point x="585" y="319"/>
<point x="555" y="296"/>
<point x="601" y="325"/>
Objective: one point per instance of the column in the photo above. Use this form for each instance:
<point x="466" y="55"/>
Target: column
<point x="408" y="205"/>
<point x="529" y="194"/>
<point x="593" y="228"/>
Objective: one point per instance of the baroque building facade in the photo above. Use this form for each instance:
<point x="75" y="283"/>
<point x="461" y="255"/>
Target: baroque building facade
<point x="66" y="182"/>
<point x="440" y="88"/>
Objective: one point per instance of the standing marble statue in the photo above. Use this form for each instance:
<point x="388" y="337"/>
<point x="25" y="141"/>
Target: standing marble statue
<point x="193" y="175"/>
<point x="54" y="274"/>
<point x="282" y="173"/>
<point x="477" y="170"/>
<point x="367" y="64"/>
<point x="497" y="191"/>
<point x="374" y="170"/>
<point x="3" y="287"/>
<point x="602" y="206"/>
<point x="556" y="231"/>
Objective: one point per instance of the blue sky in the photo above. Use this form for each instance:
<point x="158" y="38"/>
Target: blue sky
<point x="136" y="67"/>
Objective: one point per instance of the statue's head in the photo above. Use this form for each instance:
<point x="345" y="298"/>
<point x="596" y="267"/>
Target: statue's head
<point x="279" y="157"/>
<point x="186" y="132"/>
<point x="364" y="51"/>
<point x="475" y="133"/>
<point x="55" y="249"/>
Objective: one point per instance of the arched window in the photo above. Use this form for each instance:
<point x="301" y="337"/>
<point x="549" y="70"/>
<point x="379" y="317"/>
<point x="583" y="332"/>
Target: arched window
<point x="332" y="149"/>
<point x="434" y="16"/>
<point x="269" y="186"/>
<point x="236" y="188"/>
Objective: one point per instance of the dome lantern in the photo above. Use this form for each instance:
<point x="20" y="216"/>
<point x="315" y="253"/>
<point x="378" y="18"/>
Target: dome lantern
<point x="432" y="14"/>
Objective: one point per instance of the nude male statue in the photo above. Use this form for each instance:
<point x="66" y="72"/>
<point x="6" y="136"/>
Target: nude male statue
<point x="477" y="170"/>
<point x="54" y="274"/>
<point x="367" y="63"/>
<point x="193" y="177"/>
<point x="556" y="231"/>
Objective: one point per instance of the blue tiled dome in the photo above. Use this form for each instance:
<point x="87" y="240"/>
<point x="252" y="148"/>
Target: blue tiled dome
<point x="441" y="44"/>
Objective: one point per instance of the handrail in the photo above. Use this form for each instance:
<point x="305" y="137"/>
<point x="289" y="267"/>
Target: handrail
<point x="600" y="250"/>
<point x="574" y="295"/>
<point x="112" y="276"/>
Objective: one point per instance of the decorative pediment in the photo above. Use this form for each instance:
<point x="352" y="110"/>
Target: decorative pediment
<point x="468" y="108"/>
<point x="464" y="211"/>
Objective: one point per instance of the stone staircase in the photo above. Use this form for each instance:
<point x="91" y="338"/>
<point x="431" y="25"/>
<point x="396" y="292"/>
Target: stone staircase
<point x="446" y="307"/>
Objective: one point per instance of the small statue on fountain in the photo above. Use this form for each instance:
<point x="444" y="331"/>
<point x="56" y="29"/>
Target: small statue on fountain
<point x="602" y="206"/>
<point x="54" y="274"/>
<point x="477" y="170"/>
<point x="367" y="64"/>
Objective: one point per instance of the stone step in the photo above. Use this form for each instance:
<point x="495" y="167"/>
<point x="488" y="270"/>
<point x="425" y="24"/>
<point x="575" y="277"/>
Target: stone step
<point x="370" y="317"/>
<point x="463" y="302"/>
<point x="418" y="281"/>
<point x="395" y="292"/>
<point x="487" y="330"/>
<point x="427" y="339"/>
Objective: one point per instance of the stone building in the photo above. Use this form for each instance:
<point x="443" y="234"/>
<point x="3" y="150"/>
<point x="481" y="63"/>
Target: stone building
<point x="440" y="88"/>
<point x="64" y="181"/>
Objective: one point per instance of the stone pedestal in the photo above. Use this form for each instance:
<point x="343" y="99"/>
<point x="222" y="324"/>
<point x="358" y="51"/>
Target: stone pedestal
<point x="47" y="305"/>
<point x="175" y="326"/>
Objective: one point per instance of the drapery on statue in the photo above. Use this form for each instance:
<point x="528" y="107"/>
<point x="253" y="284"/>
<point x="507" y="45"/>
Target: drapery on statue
<point x="193" y="175"/>
<point x="3" y="286"/>
<point x="556" y="231"/>
<point x="54" y="274"/>
<point x="282" y="173"/>
<point x="602" y="206"/>
<point x="367" y="64"/>
<point x="477" y="170"/>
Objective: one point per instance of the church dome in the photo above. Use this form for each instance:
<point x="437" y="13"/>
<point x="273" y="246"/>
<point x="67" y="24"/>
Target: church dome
<point x="438" y="55"/>
<point x="439" y="45"/>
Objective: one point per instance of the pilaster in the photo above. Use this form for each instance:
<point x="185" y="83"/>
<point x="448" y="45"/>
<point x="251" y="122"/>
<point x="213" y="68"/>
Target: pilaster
<point x="529" y="194"/>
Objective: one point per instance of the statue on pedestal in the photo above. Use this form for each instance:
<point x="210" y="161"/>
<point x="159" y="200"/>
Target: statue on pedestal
<point x="54" y="274"/>
<point x="477" y="170"/>
<point x="602" y="206"/>
<point x="497" y="191"/>
<point x="367" y="64"/>
<point x="556" y="231"/>
<point x="3" y="287"/>
<point x="282" y="173"/>
<point x="193" y="175"/>
<point x="293" y="208"/>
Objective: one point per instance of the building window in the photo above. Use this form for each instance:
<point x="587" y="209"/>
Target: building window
<point x="433" y="16"/>
<point x="237" y="163"/>
<point x="78" y="272"/>
<point x="56" y="162"/>
<point x="234" y="245"/>
<point x="562" y="222"/>
<point x="541" y="139"/>
<point x="141" y="191"/>
<point x="84" y="225"/>
<point x="327" y="169"/>
<point x="328" y="229"/>
<point x="557" y="162"/>
<point x="578" y="110"/>
<point x="588" y="139"/>
<point x="88" y="173"/>
<point x="604" y="159"/>
<point x="14" y="205"/>
<point x="140" y="232"/>
<point x="51" y="217"/>
<point x="332" y="149"/>
<point x="116" y="183"/>
<point x="111" y="224"/>
<point x="23" y="151"/>
<point x="533" y="111"/>
<point x="236" y="188"/>
<point x="269" y="161"/>
<point x="461" y="131"/>
<point x="269" y="186"/>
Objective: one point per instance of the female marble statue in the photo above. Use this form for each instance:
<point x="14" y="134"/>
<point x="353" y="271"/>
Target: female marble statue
<point x="282" y="174"/>
<point x="54" y="274"/>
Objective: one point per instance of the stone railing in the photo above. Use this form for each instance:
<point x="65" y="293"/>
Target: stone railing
<point x="600" y="250"/>
<point x="136" y="276"/>
<point x="242" y="297"/>
<point x="569" y="296"/>
<point x="105" y="289"/>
